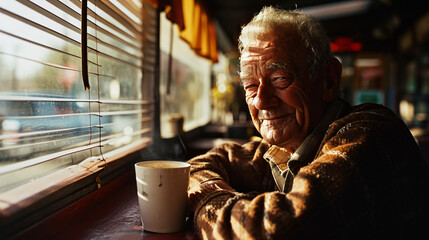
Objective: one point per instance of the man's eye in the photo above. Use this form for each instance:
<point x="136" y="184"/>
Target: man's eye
<point x="281" y="78"/>
<point x="282" y="82"/>
<point x="250" y="87"/>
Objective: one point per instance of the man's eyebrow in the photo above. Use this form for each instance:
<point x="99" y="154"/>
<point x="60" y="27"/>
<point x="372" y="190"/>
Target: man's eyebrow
<point x="278" y="65"/>
<point x="247" y="72"/>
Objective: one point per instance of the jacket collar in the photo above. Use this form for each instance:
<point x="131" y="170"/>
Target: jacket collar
<point x="283" y="163"/>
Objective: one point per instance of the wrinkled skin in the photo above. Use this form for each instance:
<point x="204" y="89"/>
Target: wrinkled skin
<point x="284" y="102"/>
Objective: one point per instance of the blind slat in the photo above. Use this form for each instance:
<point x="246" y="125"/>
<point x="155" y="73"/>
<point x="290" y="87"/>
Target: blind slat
<point x="47" y="132"/>
<point x="28" y="163"/>
<point x="116" y="13"/>
<point x="41" y="62"/>
<point x="43" y="145"/>
<point x="48" y="116"/>
<point x="58" y="99"/>
<point x="119" y="59"/>
<point x="44" y="99"/>
<point x="110" y="138"/>
<point x="65" y="67"/>
<point x="130" y="112"/>
<point x="43" y="45"/>
<point x="135" y="121"/>
<point x="126" y="102"/>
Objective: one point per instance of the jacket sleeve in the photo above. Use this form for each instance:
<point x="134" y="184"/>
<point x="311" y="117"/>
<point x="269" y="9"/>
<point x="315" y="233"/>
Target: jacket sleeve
<point x="224" y="172"/>
<point x="314" y="207"/>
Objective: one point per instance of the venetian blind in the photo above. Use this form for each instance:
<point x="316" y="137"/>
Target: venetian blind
<point x="48" y="120"/>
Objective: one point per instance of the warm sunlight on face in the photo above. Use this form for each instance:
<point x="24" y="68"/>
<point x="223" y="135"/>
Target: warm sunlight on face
<point x="284" y="102"/>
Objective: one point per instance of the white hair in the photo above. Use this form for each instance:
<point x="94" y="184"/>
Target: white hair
<point x="310" y="31"/>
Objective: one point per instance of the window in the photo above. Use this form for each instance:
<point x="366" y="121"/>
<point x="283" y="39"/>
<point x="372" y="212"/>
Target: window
<point x="186" y="88"/>
<point x="47" y="120"/>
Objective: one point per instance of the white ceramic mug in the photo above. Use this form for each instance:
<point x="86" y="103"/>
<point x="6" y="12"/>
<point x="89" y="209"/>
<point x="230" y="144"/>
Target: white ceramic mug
<point x="162" y="192"/>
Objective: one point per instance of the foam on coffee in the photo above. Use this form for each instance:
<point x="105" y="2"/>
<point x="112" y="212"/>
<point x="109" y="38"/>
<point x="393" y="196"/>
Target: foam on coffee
<point x="160" y="165"/>
<point x="163" y="164"/>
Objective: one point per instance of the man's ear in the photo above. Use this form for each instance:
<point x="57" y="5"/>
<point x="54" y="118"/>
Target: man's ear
<point x="332" y="78"/>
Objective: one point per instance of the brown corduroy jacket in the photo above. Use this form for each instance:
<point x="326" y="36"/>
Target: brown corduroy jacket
<point x="367" y="180"/>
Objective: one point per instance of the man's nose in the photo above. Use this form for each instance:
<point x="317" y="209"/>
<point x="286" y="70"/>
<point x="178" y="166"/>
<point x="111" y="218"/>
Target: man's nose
<point x="265" y="96"/>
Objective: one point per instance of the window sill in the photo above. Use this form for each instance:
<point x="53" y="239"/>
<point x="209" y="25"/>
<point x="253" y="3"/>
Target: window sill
<point x="23" y="206"/>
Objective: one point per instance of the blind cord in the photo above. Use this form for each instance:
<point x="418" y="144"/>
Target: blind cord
<point x="84" y="44"/>
<point x="84" y="58"/>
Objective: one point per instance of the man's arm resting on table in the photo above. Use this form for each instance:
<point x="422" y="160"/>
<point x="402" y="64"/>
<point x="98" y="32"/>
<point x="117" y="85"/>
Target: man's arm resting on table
<point x="310" y="209"/>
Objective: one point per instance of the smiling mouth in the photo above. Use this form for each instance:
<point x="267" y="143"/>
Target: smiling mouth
<point x="261" y="120"/>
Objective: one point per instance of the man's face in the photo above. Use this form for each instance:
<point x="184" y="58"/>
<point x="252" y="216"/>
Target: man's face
<point x="285" y="104"/>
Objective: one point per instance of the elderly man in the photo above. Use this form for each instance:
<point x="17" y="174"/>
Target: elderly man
<point x="324" y="169"/>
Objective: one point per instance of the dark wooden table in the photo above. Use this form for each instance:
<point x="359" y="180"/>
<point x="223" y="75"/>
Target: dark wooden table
<point x="111" y="212"/>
